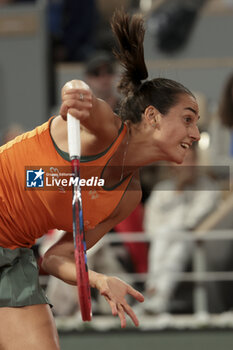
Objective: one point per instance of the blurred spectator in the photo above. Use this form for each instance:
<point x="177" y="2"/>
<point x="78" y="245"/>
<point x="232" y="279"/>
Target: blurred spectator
<point x="176" y="205"/>
<point x="100" y="75"/>
<point x="80" y="19"/>
<point x="172" y="22"/>
<point x="104" y="36"/>
<point x="226" y="108"/>
<point x="226" y="104"/>
<point x="220" y="292"/>
<point x="72" y="25"/>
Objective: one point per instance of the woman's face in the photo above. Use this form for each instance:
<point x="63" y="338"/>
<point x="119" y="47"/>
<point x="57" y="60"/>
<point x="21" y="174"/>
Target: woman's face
<point x="177" y="130"/>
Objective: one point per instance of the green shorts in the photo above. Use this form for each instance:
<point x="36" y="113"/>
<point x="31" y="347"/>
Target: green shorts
<point x="19" y="279"/>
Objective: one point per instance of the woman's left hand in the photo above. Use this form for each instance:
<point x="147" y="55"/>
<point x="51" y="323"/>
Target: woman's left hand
<point x="114" y="290"/>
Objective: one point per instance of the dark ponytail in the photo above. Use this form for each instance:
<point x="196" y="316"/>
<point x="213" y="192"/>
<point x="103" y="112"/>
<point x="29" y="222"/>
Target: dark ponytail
<point x="162" y="93"/>
<point x="129" y="33"/>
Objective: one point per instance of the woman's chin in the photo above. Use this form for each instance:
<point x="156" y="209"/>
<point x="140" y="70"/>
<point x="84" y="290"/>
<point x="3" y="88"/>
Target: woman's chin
<point x="180" y="161"/>
<point x="174" y="155"/>
<point x="177" y="158"/>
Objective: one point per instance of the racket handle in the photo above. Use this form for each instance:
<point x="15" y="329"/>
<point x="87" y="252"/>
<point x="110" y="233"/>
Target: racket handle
<point x="74" y="141"/>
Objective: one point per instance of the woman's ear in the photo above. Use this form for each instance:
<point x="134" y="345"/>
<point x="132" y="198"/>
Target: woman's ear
<point x="152" y="116"/>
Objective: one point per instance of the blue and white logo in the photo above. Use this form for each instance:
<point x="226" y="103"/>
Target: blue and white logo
<point x="35" y="178"/>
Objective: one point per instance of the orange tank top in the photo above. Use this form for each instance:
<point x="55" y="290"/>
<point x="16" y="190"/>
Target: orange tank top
<point x="28" y="213"/>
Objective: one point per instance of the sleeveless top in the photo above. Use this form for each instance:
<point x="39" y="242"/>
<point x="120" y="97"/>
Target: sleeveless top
<point x="26" y="211"/>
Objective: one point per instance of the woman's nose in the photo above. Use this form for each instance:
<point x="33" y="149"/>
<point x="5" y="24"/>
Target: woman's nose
<point x="195" y="133"/>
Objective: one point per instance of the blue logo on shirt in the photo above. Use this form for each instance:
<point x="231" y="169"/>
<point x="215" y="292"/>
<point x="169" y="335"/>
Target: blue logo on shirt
<point x="35" y="178"/>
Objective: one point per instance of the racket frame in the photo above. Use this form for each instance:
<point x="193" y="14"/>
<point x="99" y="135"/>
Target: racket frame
<point x="83" y="284"/>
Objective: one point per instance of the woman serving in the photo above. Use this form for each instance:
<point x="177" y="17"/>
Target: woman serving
<point x="157" y="121"/>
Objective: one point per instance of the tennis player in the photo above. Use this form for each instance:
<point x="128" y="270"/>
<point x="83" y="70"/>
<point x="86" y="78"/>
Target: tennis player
<point x="157" y="121"/>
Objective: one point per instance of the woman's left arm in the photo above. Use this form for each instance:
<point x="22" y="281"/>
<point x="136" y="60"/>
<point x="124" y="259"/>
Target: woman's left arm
<point x="59" y="262"/>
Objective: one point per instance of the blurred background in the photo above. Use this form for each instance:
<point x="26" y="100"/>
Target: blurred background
<point x="177" y="246"/>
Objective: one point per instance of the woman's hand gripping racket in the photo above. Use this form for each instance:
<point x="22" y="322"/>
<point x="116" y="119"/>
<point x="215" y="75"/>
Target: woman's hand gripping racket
<point x="83" y="285"/>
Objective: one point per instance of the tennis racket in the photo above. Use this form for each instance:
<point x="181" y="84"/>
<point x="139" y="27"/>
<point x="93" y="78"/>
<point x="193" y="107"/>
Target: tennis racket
<point x="78" y="228"/>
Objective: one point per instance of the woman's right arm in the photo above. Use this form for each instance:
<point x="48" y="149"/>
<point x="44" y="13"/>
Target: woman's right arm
<point x="97" y="119"/>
